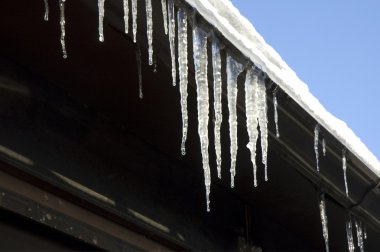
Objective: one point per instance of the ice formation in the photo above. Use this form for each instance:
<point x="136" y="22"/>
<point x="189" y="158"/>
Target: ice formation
<point x="171" y="19"/>
<point x="134" y="20"/>
<point x="46" y="15"/>
<point x="344" y="166"/>
<point x="200" y="64"/>
<point x="359" y="235"/>
<point x="365" y="232"/>
<point x="263" y="122"/>
<point x="165" y="15"/>
<point x="62" y="22"/>
<point x="350" y="236"/>
<point x="275" y="105"/>
<point x="217" y="74"/>
<point x="324" y="147"/>
<point x="251" y="110"/>
<point x="101" y="17"/>
<point x="126" y="15"/>
<point x="183" y="71"/>
<point x="322" y="209"/>
<point x="138" y="60"/>
<point x="234" y="68"/>
<point x="149" y="29"/>
<point x="316" y="142"/>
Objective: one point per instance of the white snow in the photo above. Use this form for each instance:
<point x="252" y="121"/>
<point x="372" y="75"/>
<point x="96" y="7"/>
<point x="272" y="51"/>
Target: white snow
<point x="126" y="15"/>
<point x="149" y="29"/>
<point x="322" y="209"/>
<point x="239" y="31"/>
<point x="183" y="71"/>
<point x="101" y="17"/>
<point x="62" y="22"/>
<point x="46" y="15"/>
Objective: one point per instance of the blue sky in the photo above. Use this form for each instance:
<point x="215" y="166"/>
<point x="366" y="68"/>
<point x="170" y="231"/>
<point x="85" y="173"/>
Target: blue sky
<point x="333" y="46"/>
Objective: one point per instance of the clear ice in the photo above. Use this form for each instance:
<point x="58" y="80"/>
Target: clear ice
<point x="322" y="209"/>
<point x="101" y="17"/>
<point x="126" y="15"/>
<point x="350" y="236"/>
<point x="62" y="22"/>
<point x="263" y="122"/>
<point x="165" y="15"/>
<point x="172" y="38"/>
<point x="134" y="20"/>
<point x="217" y="68"/>
<point x="200" y="64"/>
<point x="149" y="29"/>
<point x="344" y="165"/>
<point x="138" y="61"/>
<point x="275" y="105"/>
<point x="359" y="235"/>
<point x="316" y="142"/>
<point x="183" y="71"/>
<point x="46" y="15"/>
<point x="324" y="147"/>
<point x="251" y="110"/>
<point x="234" y="68"/>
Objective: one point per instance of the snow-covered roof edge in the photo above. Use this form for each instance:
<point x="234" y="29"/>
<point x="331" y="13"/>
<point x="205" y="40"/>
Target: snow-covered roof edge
<point x="239" y="31"/>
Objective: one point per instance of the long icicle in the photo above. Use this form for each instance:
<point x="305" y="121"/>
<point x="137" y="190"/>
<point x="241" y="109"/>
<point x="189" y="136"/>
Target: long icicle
<point x="46" y="15"/>
<point x="316" y="142"/>
<point x="149" y="29"/>
<point x="359" y="235"/>
<point x="183" y="71"/>
<point x="171" y="16"/>
<point x="101" y="17"/>
<point x="234" y="68"/>
<point x="217" y="68"/>
<point x="350" y="236"/>
<point x="126" y="15"/>
<point x="344" y="165"/>
<point x="63" y="30"/>
<point x="251" y="111"/>
<point x="165" y="15"/>
<point x="275" y="105"/>
<point x="134" y="20"/>
<point x="263" y="123"/>
<point x="200" y="64"/>
<point x="138" y="62"/>
<point x="322" y="209"/>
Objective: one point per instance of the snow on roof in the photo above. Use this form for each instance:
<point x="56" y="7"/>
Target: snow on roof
<point x="239" y="31"/>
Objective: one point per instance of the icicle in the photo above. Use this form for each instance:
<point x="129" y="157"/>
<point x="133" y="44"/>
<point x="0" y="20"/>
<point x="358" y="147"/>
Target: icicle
<point x="149" y="29"/>
<point x="172" y="38"/>
<point x="126" y="15"/>
<point x="251" y="110"/>
<point x="344" y="164"/>
<point x="134" y="20"/>
<point x="324" y="147"/>
<point x="263" y="122"/>
<point x="165" y="15"/>
<point x="182" y="66"/>
<point x="200" y="64"/>
<point x="365" y="232"/>
<point x="217" y="67"/>
<point x="101" y="17"/>
<point x="316" y="141"/>
<point x="46" y="16"/>
<point x="350" y="237"/>
<point x="138" y="61"/>
<point x="322" y="209"/>
<point x="275" y="105"/>
<point x="62" y="23"/>
<point x="359" y="235"/>
<point x="234" y="68"/>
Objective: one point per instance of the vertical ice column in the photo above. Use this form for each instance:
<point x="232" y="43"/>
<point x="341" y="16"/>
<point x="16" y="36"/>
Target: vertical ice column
<point x="138" y="62"/>
<point x="62" y="22"/>
<point x="165" y="15"/>
<point x="359" y="235"/>
<point x="134" y="20"/>
<point x="46" y="15"/>
<point x="172" y="38"/>
<point x="217" y="68"/>
<point x="350" y="236"/>
<point x="324" y="147"/>
<point x="316" y="141"/>
<point x="183" y="68"/>
<point x="275" y="105"/>
<point x="263" y="122"/>
<point x="149" y="29"/>
<point x="126" y="15"/>
<point x="101" y="17"/>
<point x="251" y="111"/>
<point x="200" y="64"/>
<point x="344" y="165"/>
<point x="322" y="209"/>
<point x="234" y="68"/>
